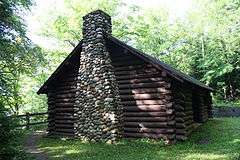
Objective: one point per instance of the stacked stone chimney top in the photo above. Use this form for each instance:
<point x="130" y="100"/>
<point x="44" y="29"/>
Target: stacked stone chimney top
<point x="96" y="21"/>
<point x="97" y="12"/>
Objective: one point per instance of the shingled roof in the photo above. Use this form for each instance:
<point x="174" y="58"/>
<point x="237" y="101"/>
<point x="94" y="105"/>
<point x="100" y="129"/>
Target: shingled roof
<point x="176" y="74"/>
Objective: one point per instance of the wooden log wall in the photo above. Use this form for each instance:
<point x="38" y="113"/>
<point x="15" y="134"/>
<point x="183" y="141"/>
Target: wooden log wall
<point x="61" y="100"/>
<point x="184" y="115"/>
<point x="51" y="106"/>
<point x="202" y="105"/>
<point x="205" y="103"/>
<point x="146" y="98"/>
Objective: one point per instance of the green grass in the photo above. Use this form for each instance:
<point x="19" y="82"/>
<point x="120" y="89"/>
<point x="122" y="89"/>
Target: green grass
<point x="216" y="139"/>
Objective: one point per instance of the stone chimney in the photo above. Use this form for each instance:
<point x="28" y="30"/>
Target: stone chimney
<point x="97" y="106"/>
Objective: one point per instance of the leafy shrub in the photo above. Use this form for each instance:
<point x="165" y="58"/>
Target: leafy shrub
<point x="9" y="138"/>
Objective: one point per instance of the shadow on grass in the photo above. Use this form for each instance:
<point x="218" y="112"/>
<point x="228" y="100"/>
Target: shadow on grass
<point x="217" y="139"/>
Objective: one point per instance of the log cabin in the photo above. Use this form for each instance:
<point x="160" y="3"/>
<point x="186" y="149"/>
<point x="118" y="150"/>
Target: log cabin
<point x="105" y="90"/>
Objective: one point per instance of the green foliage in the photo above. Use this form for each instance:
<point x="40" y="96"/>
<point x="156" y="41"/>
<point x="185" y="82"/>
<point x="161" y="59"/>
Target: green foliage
<point x="215" y="140"/>
<point x="6" y="136"/>
<point x="203" y="44"/>
<point x="218" y="103"/>
<point x="18" y="55"/>
<point x="10" y="138"/>
<point x="65" y="25"/>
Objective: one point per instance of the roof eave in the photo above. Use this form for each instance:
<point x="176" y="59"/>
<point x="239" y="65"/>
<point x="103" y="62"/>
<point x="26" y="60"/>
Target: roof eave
<point x="44" y="87"/>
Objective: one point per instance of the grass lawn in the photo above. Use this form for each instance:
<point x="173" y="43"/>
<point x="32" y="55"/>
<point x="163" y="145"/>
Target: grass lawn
<point x="217" y="139"/>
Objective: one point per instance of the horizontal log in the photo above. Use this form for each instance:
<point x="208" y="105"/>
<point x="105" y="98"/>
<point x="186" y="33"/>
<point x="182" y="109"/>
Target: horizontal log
<point x="51" y="95"/>
<point x="62" y="130"/>
<point x="65" y="100"/>
<point x="145" y="119"/>
<point x="181" y="137"/>
<point x="181" y="125"/>
<point x="179" y="107"/>
<point x="144" y="102"/>
<point x="145" y="96"/>
<point x="64" y="121"/>
<point x="51" y="126"/>
<point x="148" y="135"/>
<point x="51" y="122"/>
<point x="182" y="114"/>
<point x="66" y="88"/>
<point x="131" y="67"/>
<point x="64" y="117"/>
<point x="142" y="80"/>
<point x="146" y="75"/>
<point x="189" y="122"/>
<point x="144" y="90"/>
<point x="184" y="126"/>
<point x="184" y="131"/>
<point x="64" y="114"/>
<point x="62" y="134"/>
<point x="51" y="112"/>
<point x="147" y="107"/>
<point x="188" y="103"/>
<point x="181" y="132"/>
<point x="51" y="117"/>
<point x="62" y="84"/>
<point x="70" y="109"/>
<point x="50" y="103"/>
<point x="205" y="115"/>
<point x="50" y="129"/>
<point x="126" y="63"/>
<point x="64" y="104"/>
<point x="188" y="108"/>
<point x="183" y="97"/>
<point x="71" y="91"/>
<point x="69" y="95"/>
<point x="183" y="119"/>
<point x="70" y="74"/>
<point x="148" y="130"/>
<point x="51" y="99"/>
<point x="69" y="78"/>
<point x="146" y="124"/>
<point x="133" y="72"/>
<point x="127" y="57"/>
<point x="60" y="126"/>
<point x="145" y="114"/>
<point x="145" y="85"/>
<point x="120" y="54"/>
<point x="179" y="101"/>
